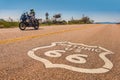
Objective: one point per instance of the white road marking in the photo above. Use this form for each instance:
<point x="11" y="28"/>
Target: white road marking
<point x="54" y="53"/>
<point x="48" y="64"/>
<point x="77" y="58"/>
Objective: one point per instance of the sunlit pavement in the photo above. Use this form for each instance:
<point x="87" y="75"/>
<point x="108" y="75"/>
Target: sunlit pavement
<point x="66" y="52"/>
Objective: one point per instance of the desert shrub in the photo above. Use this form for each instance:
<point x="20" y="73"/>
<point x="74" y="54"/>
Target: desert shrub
<point x="5" y="24"/>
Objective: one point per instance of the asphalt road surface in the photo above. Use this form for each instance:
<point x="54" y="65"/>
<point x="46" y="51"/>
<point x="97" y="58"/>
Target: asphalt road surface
<point x="67" y="52"/>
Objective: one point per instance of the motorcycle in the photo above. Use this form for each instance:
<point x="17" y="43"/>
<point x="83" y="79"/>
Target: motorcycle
<point x="29" y="23"/>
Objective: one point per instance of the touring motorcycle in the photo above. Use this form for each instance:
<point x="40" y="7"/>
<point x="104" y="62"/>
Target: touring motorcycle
<point x="29" y="23"/>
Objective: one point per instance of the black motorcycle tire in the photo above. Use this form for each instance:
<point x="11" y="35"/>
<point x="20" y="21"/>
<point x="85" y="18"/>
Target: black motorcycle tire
<point x="22" y="26"/>
<point x="36" y="26"/>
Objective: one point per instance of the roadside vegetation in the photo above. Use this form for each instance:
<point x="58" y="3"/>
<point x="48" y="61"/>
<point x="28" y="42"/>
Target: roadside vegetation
<point x="6" y="24"/>
<point x="55" y="20"/>
<point x="83" y="20"/>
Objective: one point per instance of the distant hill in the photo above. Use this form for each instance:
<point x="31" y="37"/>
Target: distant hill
<point x="106" y="22"/>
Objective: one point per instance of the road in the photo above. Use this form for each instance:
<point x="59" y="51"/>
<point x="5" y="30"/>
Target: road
<point x="66" y="52"/>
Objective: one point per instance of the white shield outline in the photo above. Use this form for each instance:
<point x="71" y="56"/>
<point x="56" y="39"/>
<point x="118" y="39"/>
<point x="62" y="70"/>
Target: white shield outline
<point x="105" y="68"/>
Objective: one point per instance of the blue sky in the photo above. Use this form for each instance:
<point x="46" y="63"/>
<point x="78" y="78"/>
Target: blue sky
<point x="98" y="10"/>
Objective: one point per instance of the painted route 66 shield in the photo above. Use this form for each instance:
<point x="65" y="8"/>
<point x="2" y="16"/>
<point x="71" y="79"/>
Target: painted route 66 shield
<point x="73" y="56"/>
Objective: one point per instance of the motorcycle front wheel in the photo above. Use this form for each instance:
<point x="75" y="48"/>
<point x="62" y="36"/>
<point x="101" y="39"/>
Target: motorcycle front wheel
<point x="22" y="26"/>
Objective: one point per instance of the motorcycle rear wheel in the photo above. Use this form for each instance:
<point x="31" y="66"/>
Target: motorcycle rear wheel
<point x="36" y="27"/>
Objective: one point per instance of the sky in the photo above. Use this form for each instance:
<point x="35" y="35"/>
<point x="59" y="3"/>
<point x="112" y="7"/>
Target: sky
<point x="98" y="10"/>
